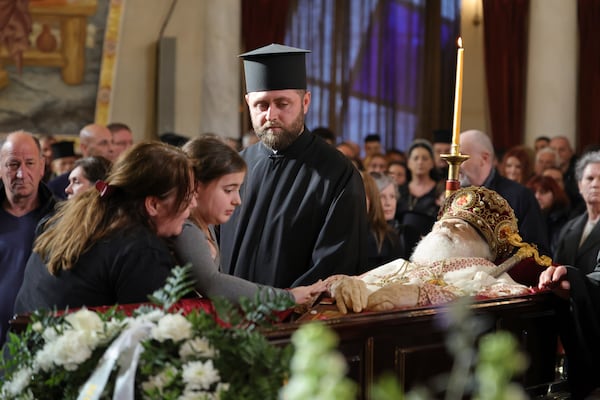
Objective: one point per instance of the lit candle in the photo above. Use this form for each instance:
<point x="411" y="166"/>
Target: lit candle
<point x="457" y="98"/>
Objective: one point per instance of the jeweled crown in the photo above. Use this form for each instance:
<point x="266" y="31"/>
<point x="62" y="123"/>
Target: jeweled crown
<point x="488" y="212"/>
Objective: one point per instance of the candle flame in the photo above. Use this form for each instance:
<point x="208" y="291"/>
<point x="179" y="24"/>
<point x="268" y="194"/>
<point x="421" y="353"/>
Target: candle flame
<point x="460" y="42"/>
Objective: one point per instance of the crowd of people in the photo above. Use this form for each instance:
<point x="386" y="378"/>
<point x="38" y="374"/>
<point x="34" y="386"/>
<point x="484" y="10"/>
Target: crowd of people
<point x="539" y="184"/>
<point x="296" y="213"/>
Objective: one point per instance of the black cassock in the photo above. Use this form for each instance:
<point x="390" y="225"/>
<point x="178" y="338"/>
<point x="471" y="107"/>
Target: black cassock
<point x="302" y="218"/>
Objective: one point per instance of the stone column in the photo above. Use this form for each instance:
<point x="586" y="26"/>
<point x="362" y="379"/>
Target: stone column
<point x="204" y="72"/>
<point x="551" y="102"/>
<point x="220" y="83"/>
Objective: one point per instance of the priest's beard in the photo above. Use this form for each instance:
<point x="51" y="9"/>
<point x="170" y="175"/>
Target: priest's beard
<point x="439" y="245"/>
<point x="280" y="140"/>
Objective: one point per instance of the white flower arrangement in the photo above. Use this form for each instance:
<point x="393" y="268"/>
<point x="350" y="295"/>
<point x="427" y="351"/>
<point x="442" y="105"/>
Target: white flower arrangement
<point x="74" y="339"/>
<point x="148" y="353"/>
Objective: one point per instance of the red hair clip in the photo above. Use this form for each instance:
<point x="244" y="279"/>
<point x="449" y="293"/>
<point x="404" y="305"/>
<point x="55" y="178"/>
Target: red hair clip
<point x="104" y="188"/>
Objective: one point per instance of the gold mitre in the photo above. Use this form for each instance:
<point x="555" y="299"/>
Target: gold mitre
<point x="488" y="212"/>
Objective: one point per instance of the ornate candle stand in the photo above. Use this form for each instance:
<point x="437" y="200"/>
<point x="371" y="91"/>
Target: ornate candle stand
<point x="454" y="159"/>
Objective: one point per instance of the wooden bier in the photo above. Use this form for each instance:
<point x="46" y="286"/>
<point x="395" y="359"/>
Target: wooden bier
<point x="411" y="343"/>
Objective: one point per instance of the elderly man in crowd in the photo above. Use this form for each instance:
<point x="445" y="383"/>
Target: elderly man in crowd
<point x="122" y="138"/>
<point x="25" y="200"/>
<point x="479" y="170"/>
<point x="477" y="228"/>
<point x="567" y="160"/>
<point x="545" y="158"/>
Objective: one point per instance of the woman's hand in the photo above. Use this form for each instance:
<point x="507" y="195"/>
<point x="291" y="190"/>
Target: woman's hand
<point x="555" y="279"/>
<point x="306" y="294"/>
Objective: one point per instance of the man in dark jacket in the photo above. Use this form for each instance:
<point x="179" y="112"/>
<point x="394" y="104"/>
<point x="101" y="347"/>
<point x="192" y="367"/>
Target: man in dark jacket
<point x="479" y="170"/>
<point x="25" y="200"/>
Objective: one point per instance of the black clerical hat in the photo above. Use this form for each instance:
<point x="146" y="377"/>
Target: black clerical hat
<point x="442" y="136"/>
<point x="373" y="137"/>
<point x="62" y="149"/>
<point x="275" y="67"/>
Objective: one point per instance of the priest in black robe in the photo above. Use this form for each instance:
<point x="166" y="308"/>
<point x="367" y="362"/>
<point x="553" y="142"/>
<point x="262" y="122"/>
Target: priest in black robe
<point x="303" y="212"/>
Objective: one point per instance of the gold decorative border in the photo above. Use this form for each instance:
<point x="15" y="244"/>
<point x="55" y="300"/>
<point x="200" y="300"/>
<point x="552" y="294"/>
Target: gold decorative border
<point x="109" y="58"/>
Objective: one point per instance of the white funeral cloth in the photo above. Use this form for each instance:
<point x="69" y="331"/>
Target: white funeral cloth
<point x="443" y="280"/>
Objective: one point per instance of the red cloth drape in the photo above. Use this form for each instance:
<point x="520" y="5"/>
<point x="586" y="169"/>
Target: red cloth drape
<point x="505" y="37"/>
<point x="263" y="22"/>
<point x="589" y="73"/>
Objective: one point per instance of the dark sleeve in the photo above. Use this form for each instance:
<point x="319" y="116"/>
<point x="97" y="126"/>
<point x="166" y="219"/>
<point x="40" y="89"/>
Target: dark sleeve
<point x="58" y="185"/>
<point x="579" y="326"/>
<point x="139" y="270"/>
<point x="391" y="249"/>
<point x="192" y="247"/>
<point x="341" y="246"/>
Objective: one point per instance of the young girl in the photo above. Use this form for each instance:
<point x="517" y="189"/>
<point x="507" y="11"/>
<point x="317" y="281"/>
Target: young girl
<point x="219" y="172"/>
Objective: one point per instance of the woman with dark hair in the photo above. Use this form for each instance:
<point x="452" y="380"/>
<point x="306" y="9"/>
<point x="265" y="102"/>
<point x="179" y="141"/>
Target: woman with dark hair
<point x="516" y="164"/>
<point x="219" y="172"/>
<point x="106" y="246"/>
<point x="554" y="204"/>
<point x="417" y="204"/>
<point x="383" y="244"/>
<point x="85" y="173"/>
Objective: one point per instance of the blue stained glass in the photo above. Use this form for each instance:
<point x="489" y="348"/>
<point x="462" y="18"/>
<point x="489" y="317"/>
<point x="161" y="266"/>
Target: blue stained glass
<point x="387" y="68"/>
<point x="374" y="84"/>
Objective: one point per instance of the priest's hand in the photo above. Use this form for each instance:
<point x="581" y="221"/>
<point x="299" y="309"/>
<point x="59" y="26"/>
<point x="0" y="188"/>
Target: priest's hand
<point x="394" y="295"/>
<point x="349" y="293"/>
<point x="308" y="294"/>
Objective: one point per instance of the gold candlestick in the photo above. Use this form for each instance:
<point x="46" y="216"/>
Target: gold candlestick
<point x="454" y="159"/>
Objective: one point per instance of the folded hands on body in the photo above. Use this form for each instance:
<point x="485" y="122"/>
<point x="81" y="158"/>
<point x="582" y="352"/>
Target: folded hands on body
<point x="351" y="293"/>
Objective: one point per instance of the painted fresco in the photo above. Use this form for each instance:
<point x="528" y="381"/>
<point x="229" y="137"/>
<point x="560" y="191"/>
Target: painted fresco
<point x="55" y="91"/>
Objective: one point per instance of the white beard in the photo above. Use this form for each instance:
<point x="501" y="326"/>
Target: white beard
<point x="437" y="246"/>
